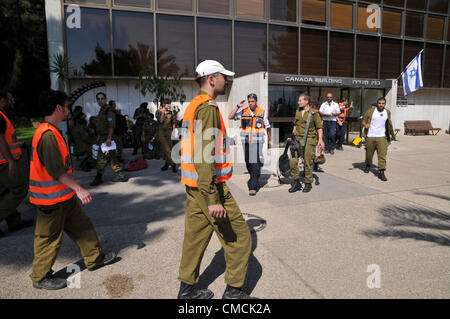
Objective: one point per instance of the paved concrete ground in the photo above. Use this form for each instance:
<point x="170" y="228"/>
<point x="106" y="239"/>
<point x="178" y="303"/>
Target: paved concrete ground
<point x="315" y="245"/>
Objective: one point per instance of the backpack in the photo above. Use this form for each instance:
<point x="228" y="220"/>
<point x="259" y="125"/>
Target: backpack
<point x="135" y="165"/>
<point x="121" y="125"/>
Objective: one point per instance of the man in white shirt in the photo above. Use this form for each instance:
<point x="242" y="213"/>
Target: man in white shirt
<point x="254" y="121"/>
<point x="378" y="131"/>
<point x="329" y="110"/>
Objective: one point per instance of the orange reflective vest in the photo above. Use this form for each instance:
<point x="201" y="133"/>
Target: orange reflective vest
<point x="252" y="126"/>
<point x="222" y="157"/>
<point x="44" y="189"/>
<point x="343" y="114"/>
<point x="11" y="140"/>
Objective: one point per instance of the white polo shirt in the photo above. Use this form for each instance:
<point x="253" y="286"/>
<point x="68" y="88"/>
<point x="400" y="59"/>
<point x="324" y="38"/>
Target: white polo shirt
<point x="238" y="116"/>
<point x="378" y="124"/>
<point x="327" y="108"/>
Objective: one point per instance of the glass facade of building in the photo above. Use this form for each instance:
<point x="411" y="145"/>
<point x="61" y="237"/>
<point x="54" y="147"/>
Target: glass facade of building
<point x="120" y="38"/>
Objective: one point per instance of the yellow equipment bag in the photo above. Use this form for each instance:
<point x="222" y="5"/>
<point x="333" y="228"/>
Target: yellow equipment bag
<point x="357" y="140"/>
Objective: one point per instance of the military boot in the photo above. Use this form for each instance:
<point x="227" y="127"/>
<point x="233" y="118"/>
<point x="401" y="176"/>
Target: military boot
<point x="367" y="169"/>
<point x="307" y="188"/>
<point x="174" y="168"/>
<point x="381" y="175"/>
<point x="53" y="283"/>
<point x="189" y="292"/>
<point x="119" y="177"/>
<point x="97" y="180"/>
<point x="165" y="167"/>
<point x="296" y="187"/>
<point x="235" y="293"/>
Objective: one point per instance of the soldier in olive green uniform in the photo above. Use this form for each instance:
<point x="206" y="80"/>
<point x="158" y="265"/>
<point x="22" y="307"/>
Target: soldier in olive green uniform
<point x="140" y="116"/>
<point x="378" y="132"/>
<point x="149" y="130"/>
<point x="105" y="131"/>
<point x="210" y="207"/>
<point x="64" y="216"/>
<point x="314" y="138"/>
<point x="81" y="141"/>
<point x="166" y="125"/>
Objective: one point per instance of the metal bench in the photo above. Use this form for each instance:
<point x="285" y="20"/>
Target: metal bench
<point x="423" y="126"/>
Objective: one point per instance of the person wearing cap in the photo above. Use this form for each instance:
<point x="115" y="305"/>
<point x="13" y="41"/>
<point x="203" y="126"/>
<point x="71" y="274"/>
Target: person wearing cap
<point x="254" y="121"/>
<point x="210" y="207"/>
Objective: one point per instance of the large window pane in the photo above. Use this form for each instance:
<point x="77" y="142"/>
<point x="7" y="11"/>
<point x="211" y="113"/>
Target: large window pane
<point x="220" y="31"/>
<point x="185" y="5"/>
<point x="133" y="3"/>
<point x="440" y="6"/>
<point x="89" y="47"/>
<point x="175" y="43"/>
<point x="411" y="49"/>
<point x="284" y="10"/>
<point x="366" y="21"/>
<point x="283" y="48"/>
<point x="87" y="1"/>
<point x="392" y="22"/>
<point x="390" y="58"/>
<point x="414" y="25"/>
<point x="250" y="9"/>
<point x="366" y="57"/>
<point x="250" y="47"/>
<point x="133" y="42"/>
<point x="397" y="3"/>
<point x="214" y="6"/>
<point x="313" y="52"/>
<point x="341" y="54"/>
<point x="313" y="12"/>
<point x="433" y="65"/>
<point x="341" y="15"/>
<point x="435" y="28"/>
<point x="416" y="4"/>
<point x="447" y="69"/>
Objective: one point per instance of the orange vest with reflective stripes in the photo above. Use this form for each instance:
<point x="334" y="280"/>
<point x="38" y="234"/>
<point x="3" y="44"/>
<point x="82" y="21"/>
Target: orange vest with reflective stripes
<point x="44" y="189"/>
<point x="11" y="140"/>
<point x="252" y="126"/>
<point x="343" y="114"/>
<point x="222" y="157"/>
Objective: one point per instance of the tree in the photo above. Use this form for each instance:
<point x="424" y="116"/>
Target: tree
<point x="60" y="66"/>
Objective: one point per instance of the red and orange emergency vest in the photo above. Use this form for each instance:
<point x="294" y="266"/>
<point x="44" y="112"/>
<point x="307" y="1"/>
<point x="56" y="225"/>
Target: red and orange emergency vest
<point x="343" y="114"/>
<point x="222" y="158"/>
<point x="11" y="140"/>
<point x="45" y="190"/>
<point x="252" y="126"/>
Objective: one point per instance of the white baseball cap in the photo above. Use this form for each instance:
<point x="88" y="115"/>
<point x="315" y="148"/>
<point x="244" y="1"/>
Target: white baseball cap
<point x="208" y="67"/>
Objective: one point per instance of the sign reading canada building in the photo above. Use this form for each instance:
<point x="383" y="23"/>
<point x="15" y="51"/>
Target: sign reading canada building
<point x="328" y="81"/>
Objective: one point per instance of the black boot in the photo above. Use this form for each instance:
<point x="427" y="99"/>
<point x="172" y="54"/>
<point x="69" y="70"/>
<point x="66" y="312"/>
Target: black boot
<point x="165" y="167"/>
<point x="53" y="283"/>
<point x="189" y="292"/>
<point x="235" y="293"/>
<point x="108" y="259"/>
<point x="296" y="187"/>
<point x="367" y="169"/>
<point x="307" y="187"/>
<point x="174" y="168"/>
<point x="381" y="175"/>
<point x="97" y="180"/>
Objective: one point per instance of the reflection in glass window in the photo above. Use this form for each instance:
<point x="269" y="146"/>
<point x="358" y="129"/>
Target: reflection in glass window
<point x="184" y="5"/>
<point x="89" y="47"/>
<point x="439" y="6"/>
<point x="87" y="1"/>
<point x="416" y="4"/>
<point x="447" y="69"/>
<point x="397" y="3"/>
<point x="342" y="15"/>
<point x="133" y="42"/>
<point x="435" y="28"/>
<point x="341" y="54"/>
<point x="392" y="22"/>
<point x="133" y="3"/>
<point x="313" y="12"/>
<point x="250" y="9"/>
<point x="284" y="10"/>
<point x="313" y="52"/>
<point x="175" y="39"/>
<point x="391" y="54"/>
<point x="214" y="6"/>
<point x="414" y="25"/>
<point x="433" y="65"/>
<point x="366" y="57"/>
<point x="283" y="48"/>
<point x="411" y="49"/>
<point x="250" y="47"/>
<point x="367" y="20"/>
<point x="220" y="31"/>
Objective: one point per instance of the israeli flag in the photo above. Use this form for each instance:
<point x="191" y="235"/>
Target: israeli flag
<point x="412" y="75"/>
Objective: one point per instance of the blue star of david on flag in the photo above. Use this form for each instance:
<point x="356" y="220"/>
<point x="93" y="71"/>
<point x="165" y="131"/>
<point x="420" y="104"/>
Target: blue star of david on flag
<point x="412" y="75"/>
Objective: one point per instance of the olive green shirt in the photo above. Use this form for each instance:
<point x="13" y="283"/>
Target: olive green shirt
<point x="140" y="115"/>
<point x="106" y="119"/>
<point x="168" y="121"/>
<point x="80" y="136"/>
<point x="300" y="123"/>
<point x="49" y="154"/>
<point x="208" y="114"/>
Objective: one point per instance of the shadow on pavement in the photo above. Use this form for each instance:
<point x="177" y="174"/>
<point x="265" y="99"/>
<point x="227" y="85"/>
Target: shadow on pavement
<point x="396" y="217"/>
<point x="433" y="195"/>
